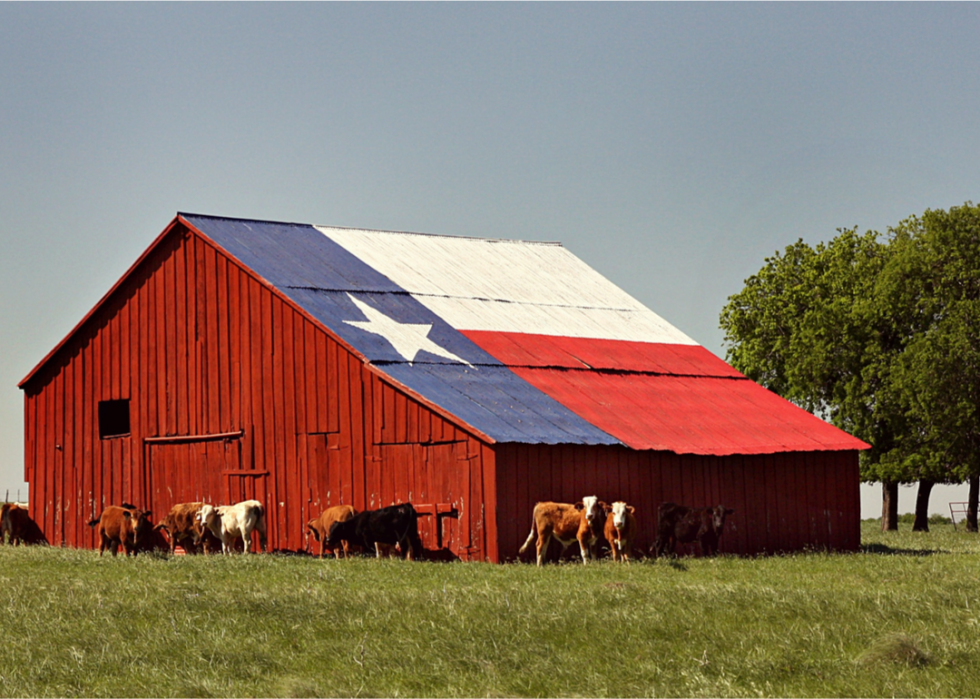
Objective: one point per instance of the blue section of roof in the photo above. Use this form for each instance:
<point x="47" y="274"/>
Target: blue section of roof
<point x="499" y="403"/>
<point x="320" y="276"/>
<point x="292" y="254"/>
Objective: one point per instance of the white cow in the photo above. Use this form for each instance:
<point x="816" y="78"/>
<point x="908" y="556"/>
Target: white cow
<point x="231" y="522"/>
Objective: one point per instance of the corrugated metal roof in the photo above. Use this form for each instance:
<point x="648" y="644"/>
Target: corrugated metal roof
<point x="507" y="286"/>
<point x="522" y="341"/>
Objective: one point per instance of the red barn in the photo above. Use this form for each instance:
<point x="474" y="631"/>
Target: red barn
<point x="310" y="366"/>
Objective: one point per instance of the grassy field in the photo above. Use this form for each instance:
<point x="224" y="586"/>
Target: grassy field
<point x="901" y="618"/>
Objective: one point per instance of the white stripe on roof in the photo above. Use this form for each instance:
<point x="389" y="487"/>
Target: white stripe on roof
<point x="507" y="286"/>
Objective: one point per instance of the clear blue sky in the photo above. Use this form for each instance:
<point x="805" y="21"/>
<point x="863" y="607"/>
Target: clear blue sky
<point x="671" y="146"/>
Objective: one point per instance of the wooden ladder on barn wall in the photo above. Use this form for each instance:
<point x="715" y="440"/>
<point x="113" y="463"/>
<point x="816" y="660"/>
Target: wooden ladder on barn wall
<point x="957" y="508"/>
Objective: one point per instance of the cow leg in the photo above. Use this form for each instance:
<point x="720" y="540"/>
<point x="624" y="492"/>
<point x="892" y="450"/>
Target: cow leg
<point x="260" y="528"/>
<point x="543" y="540"/>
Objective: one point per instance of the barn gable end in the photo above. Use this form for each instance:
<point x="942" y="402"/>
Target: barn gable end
<point x="233" y="392"/>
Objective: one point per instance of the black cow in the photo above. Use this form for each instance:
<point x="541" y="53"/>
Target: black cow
<point x="397" y="524"/>
<point x="680" y="524"/>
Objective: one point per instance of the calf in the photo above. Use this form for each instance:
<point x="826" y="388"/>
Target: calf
<point x="183" y="527"/>
<point x="679" y="524"/>
<point x="126" y="526"/>
<point x="320" y="527"/>
<point x="620" y="530"/>
<point x="231" y="522"/>
<point x="567" y="523"/>
<point x="397" y="524"/>
<point x="15" y="522"/>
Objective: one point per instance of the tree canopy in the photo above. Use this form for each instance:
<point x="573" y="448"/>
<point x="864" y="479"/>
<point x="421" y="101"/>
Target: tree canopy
<point x="880" y="334"/>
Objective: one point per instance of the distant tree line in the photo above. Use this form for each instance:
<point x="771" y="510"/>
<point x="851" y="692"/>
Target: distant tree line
<point x="879" y="334"/>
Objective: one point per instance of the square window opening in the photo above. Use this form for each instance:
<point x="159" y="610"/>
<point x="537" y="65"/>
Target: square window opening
<point x="113" y="418"/>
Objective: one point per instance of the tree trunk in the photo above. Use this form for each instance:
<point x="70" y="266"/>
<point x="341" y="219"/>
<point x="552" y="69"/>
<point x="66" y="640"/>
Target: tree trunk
<point x="971" y="506"/>
<point x="921" y="523"/>
<point x="889" y="506"/>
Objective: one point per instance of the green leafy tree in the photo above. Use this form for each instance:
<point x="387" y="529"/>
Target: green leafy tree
<point x="934" y="277"/>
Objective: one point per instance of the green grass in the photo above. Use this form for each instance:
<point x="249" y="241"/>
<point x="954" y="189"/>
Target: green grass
<point x="901" y="618"/>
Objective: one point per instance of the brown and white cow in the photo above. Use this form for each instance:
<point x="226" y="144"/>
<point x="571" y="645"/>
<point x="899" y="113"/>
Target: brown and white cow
<point x="620" y="530"/>
<point x="183" y="528"/>
<point x="320" y="527"/>
<point x="125" y="526"/>
<point x="567" y="523"/>
<point x="232" y="522"/>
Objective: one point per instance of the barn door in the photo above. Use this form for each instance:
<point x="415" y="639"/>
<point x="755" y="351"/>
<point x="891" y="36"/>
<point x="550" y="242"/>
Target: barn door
<point x="441" y="485"/>
<point x="190" y="469"/>
<point x="450" y="462"/>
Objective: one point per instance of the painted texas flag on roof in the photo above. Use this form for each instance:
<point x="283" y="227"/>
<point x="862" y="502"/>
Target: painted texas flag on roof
<point x="520" y="340"/>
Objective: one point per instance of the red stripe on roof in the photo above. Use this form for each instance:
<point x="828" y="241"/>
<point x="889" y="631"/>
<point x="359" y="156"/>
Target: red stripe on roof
<point x="663" y="397"/>
<point x="526" y="349"/>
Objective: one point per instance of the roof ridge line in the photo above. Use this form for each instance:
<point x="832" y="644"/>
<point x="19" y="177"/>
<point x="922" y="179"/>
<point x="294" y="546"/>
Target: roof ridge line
<point x="517" y="241"/>
<point x="185" y="214"/>
<point x="559" y="367"/>
<point x="403" y="292"/>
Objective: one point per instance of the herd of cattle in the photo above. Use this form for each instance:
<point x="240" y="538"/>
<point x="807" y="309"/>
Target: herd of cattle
<point x="198" y="526"/>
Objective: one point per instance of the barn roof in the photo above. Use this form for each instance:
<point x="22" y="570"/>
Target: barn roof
<point x="520" y="340"/>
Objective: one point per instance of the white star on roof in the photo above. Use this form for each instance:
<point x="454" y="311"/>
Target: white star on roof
<point x="408" y="339"/>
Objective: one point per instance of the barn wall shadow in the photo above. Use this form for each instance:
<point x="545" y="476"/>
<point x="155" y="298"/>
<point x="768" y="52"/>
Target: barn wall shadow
<point x="885" y="550"/>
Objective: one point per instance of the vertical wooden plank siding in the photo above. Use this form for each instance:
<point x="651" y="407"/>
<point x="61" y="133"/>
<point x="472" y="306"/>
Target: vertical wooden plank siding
<point x="30" y="456"/>
<point x="768" y="492"/>
<point x="752" y="516"/>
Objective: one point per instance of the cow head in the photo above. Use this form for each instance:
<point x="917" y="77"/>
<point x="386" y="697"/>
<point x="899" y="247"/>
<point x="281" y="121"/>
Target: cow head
<point x="718" y="517"/>
<point x="206" y="516"/>
<point x="142" y="527"/>
<point x="593" y="509"/>
<point x="619" y="512"/>
<point x="311" y="529"/>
